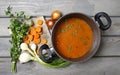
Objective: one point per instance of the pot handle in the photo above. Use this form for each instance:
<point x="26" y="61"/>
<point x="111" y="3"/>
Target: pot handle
<point x="47" y="57"/>
<point x="102" y="26"/>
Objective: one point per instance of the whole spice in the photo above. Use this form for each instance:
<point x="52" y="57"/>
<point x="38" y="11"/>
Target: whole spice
<point x="19" y="28"/>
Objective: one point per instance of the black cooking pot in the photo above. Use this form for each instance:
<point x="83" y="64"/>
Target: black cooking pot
<point x="96" y="33"/>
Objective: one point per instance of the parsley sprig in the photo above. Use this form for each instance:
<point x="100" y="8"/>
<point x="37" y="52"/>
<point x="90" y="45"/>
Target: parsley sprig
<point x="19" y="29"/>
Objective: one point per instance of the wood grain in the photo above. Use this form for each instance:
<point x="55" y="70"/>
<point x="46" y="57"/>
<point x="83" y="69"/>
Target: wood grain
<point x="110" y="46"/>
<point x="114" y="30"/>
<point x="45" y="7"/>
<point x="107" y="58"/>
<point x="95" y="66"/>
<point x="5" y="47"/>
<point x="110" y="6"/>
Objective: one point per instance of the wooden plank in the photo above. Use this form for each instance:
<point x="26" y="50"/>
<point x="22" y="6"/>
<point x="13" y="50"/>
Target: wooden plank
<point x="4" y="47"/>
<point x="5" y="22"/>
<point x="110" y="46"/>
<point x="100" y="66"/>
<point x="45" y="7"/>
<point x="114" y="30"/>
<point x="110" y="6"/>
<point x="115" y="27"/>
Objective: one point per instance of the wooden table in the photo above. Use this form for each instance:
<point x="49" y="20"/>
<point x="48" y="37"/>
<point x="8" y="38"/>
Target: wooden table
<point x="105" y="62"/>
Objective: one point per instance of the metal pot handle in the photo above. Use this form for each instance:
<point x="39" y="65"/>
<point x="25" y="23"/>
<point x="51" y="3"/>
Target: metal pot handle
<point x="102" y="26"/>
<point x="48" y="55"/>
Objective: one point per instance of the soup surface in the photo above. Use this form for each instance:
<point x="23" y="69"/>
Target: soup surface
<point x="73" y="38"/>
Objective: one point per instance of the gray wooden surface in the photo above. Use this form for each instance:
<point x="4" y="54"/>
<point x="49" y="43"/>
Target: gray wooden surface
<point x="105" y="62"/>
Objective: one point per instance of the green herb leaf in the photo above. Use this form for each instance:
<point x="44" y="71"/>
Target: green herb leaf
<point x="86" y="42"/>
<point x="19" y="29"/>
<point x="62" y="30"/>
<point x="27" y="16"/>
<point x="69" y="48"/>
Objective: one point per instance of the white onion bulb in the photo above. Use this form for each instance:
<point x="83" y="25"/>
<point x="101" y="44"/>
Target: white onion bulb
<point x="25" y="57"/>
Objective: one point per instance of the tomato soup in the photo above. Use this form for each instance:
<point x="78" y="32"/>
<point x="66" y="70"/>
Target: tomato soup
<point x="73" y="38"/>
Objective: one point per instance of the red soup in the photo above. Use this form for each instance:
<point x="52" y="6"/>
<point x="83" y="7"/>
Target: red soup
<point x="73" y="38"/>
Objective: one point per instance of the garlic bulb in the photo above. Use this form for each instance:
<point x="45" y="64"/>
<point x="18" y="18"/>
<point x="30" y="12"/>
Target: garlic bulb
<point x="25" y="57"/>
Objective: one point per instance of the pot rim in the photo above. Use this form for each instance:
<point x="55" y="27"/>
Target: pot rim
<point x="97" y="31"/>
